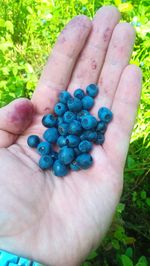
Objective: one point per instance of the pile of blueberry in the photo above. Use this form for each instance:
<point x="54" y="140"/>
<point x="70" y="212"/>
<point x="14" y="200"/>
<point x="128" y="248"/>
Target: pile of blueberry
<point x="73" y="130"/>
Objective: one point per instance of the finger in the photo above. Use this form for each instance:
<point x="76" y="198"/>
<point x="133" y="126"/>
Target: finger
<point x="6" y="139"/>
<point x="124" y="110"/>
<point x="117" y="58"/>
<point x="57" y="72"/>
<point x="92" y="57"/>
<point x="14" y="119"/>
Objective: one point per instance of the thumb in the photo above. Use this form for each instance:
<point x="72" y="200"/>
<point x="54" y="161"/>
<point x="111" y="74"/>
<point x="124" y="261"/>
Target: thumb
<point x="14" y="119"/>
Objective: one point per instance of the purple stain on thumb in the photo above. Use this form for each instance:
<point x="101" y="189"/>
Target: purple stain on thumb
<point x="21" y="115"/>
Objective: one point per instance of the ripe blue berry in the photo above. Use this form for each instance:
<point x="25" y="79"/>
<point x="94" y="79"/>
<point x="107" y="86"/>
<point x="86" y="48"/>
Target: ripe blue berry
<point x="60" y="120"/>
<point x="92" y="90"/>
<point x="60" y="109"/>
<point x="85" y="146"/>
<point x="100" y="138"/>
<point x="59" y="169"/>
<point x="61" y="141"/>
<point x="74" y="166"/>
<point x="81" y="114"/>
<point x="33" y="141"/>
<point x="87" y="102"/>
<point x="79" y="93"/>
<point x="77" y="151"/>
<point x="88" y="122"/>
<point x="44" y="148"/>
<point x="46" y="162"/>
<point x="90" y="135"/>
<point x="63" y="129"/>
<point x="75" y="128"/>
<point x="74" y="104"/>
<point x="54" y="155"/>
<point x="51" y="135"/>
<point x="49" y="120"/>
<point x="101" y="126"/>
<point x="64" y="96"/>
<point x="69" y="117"/>
<point x="66" y="155"/>
<point x="84" y="160"/>
<point x="105" y="114"/>
<point x="72" y="141"/>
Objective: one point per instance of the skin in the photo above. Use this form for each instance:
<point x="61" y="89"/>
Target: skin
<point x="58" y="221"/>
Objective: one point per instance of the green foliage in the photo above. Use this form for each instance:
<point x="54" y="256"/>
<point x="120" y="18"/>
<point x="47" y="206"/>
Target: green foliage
<point x="28" y="31"/>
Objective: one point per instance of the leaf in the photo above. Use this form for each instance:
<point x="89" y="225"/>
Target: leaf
<point x="92" y="255"/>
<point x="120" y="233"/>
<point x="3" y="84"/>
<point x="117" y="2"/>
<point x="6" y="45"/>
<point x="143" y="194"/>
<point x="120" y="207"/>
<point x="129" y="252"/>
<point x="142" y="262"/>
<point x="86" y="264"/>
<point x="126" y="261"/>
<point x="2" y="22"/>
<point x="28" y="68"/>
<point x="131" y="163"/>
<point x="84" y="2"/>
<point x="9" y="26"/>
<point x="115" y="244"/>
<point x="148" y="201"/>
<point x="29" y="9"/>
<point x="130" y="240"/>
<point x="125" y="7"/>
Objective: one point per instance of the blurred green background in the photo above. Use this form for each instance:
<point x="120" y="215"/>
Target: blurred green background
<point x="28" y="31"/>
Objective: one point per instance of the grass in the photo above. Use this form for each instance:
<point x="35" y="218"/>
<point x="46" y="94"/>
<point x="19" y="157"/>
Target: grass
<point x="28" y="31"/>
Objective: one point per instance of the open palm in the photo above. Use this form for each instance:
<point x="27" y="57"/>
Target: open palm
<point x="57" y="221"/>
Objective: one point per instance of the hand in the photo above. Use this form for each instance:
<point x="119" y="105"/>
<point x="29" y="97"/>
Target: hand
<point x="57" y="221"/>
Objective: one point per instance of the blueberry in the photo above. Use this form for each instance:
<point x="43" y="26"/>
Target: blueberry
<point x="60" y="120"/>
<point x="33" y="141"/>
<point x="60" y="109"/>
<point x="75" y="128"/>
<point x="87" y="102"/>
<point x="64" y="96"/>
<point x="61" y="141"/>
<point x="49" y="120"/>
<point x="79" y="93"/>
<point x="90" y="135"/>
<point x="81" y="114"/>
<point x="51" y="135"/>
<point x="84" y="160"/>
<point x="66" y="155"/>
<point x="69" y="117"/>
<point x="74" y="104"/>
<point x="92" y="90"/>
<point x="88" y="122"/>
<point x="101" y="127"/>
<point x="44" y="148"/>
<point x="46" y="162"/>
<point x="72" y="141"/>
<point x="83" y="136"/>
<point x="100" y="138"/>
<point x="59" y="169"/>
<point x="74" y="166"/>
<point x="105" y="114"/>
<point x="54" y="155"/>
<point x="77" y="151"/>
<point x="85" y="146"/>
<point x="63" y="129"/>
